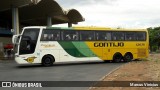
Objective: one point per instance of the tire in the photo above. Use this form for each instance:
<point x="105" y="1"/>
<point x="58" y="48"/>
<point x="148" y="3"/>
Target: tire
<point x="128" y="57"/>
<point x="117" y="58"/>
<point x="48" y="60"/>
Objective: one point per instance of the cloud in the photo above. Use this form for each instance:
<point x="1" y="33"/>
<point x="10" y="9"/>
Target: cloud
<point x="117" y="13"/>
<point x="74" y="3"/>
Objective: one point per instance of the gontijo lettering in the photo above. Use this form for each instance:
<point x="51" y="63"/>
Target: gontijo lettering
<point x="109" y="44"/>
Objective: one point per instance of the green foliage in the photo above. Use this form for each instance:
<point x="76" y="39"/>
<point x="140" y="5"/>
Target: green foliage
<point x="154" y="48"/>
<point x="157" y="51"/>
<point x="154" y="36"/>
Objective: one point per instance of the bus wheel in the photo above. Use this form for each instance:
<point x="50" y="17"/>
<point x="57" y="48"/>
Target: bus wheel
<point x="117" y="57"/>
<point x="128" y="57"/>
<point x="47" y="60"/>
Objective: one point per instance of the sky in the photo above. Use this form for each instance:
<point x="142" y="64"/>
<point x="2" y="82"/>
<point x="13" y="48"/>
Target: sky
<point x="116" y="13"/>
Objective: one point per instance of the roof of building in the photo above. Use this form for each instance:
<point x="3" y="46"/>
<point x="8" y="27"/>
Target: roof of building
<point x="32" y="12"/>
<point x="7" y="4"/>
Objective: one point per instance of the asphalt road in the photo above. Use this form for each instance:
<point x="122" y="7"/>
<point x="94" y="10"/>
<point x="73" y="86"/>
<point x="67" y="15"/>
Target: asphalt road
<point x="73" y="71"/>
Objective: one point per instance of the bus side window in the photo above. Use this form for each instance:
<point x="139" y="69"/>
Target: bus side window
<point x="114" y="38"/>
<point x="108" y="36"/>
<point x="103" y="35"/>
<point x="44" y="37"/>
<point x="119" y="36"/>
<point x="75" y="37"/>
<point x="141" y="36"/>
<point x="50" y="35"/>
<point x="87" y="35"/>
<point x="57" y="37"/>
<point x="70" y="35"/>
<point x="130" y="36"/>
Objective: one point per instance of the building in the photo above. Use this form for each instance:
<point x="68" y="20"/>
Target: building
<point x="15" y="14"/>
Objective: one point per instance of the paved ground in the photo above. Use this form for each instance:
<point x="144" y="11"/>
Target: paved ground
<point x="80" y="71"/>
<point x="139" y="70"/>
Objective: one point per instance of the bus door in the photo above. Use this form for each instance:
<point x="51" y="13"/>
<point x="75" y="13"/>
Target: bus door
<point x="28" y="43"/>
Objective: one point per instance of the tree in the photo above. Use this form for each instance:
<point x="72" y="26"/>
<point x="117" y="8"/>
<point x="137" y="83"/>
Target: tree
<point x="154" y="38"/>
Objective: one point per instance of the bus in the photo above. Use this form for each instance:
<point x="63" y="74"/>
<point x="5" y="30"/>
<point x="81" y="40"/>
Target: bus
<point x="47" y="45"/>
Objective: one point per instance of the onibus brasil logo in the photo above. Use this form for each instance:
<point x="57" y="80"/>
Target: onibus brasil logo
<point x="21" y="84"/>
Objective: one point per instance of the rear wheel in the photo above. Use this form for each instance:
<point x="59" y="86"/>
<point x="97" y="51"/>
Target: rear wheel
<point x="128" y="57"/>
<point x="117" y="57"/>
<point x="47" y="60"/>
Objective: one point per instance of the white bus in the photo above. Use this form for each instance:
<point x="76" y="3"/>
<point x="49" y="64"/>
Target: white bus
<point x="48" y="45"/>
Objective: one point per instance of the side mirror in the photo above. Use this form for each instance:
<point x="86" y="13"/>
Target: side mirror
<point x="15" y="39"/>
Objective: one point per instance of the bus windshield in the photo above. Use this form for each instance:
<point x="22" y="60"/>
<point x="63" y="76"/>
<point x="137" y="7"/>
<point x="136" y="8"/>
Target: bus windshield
<point x="28" y="41"/>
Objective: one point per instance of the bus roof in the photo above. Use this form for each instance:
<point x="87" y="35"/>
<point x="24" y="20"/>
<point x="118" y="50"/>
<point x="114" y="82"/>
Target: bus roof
<point x="106" y="28"/>
<point x="88" y="28"/>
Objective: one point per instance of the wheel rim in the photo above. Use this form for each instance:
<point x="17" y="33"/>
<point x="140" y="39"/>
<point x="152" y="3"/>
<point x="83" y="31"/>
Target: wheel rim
<point x="47" y="61"/>
<point x="127" y="58"/>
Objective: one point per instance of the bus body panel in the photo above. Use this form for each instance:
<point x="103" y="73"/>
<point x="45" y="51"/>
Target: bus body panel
<point x="106" y="51"/>
<point x="59" y="53"/>
<point x="64" y="51"/>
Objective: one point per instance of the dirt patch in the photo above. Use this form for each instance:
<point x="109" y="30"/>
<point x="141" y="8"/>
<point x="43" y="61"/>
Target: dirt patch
<point x="142" y="70"/>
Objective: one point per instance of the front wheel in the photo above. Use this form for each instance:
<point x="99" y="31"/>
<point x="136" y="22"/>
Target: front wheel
<point x="47" y="60"/>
